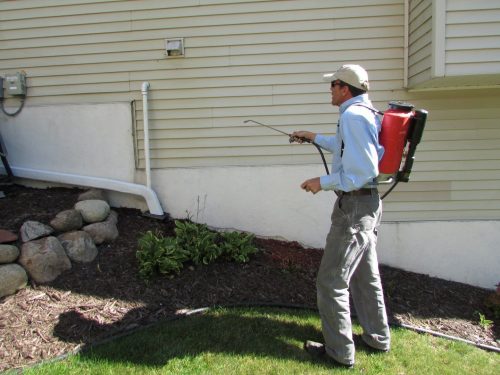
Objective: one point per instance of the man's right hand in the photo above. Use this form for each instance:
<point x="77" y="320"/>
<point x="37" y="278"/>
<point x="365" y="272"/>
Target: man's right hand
<point x="302" y="136"/>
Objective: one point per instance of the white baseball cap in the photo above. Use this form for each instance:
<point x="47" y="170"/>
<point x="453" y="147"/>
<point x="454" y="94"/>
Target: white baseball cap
<point x="352" y="74"/>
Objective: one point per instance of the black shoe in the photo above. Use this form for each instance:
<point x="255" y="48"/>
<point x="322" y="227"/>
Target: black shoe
<point x="359" y="342"/>
<point x="317" y="350"/>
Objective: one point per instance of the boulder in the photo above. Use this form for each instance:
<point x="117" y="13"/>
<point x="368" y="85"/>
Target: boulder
<point x="112" y="217"/>
<point x="78" y="246"/>
<point x="12" y="278"/>
<point x="44" y="259"/>
<point x="93" y="210"/>
<point x="8" y="253"/>
<point x="92" y="194"/>
<point x="105" y="231"/>
<point x="32" y="230"/>
<point x="66" y="221"/>
<point x="7" y="236"/>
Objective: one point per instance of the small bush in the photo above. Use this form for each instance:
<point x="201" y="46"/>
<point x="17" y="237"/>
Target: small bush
<point x="158" y="254"/>
<point x="193" y="242"/>
<point x="198" y="241"/>
<point x="238" y="246"/>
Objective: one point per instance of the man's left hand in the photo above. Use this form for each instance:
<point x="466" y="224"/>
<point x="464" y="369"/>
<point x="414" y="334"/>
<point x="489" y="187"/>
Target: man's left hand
<point x="313" y="185"/>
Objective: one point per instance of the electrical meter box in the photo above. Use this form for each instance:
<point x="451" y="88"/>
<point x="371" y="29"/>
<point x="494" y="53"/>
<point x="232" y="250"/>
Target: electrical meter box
<point x="15" y="84"/>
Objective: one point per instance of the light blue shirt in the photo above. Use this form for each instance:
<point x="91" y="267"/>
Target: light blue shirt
<point x="359" y="128"/>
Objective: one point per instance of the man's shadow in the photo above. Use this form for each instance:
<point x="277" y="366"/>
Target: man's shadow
<point x="214" y="331"/>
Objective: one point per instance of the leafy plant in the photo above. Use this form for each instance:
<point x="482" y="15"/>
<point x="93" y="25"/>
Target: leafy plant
<point x="483" y="322"/>
<point x="193" y="242"/>
<point x="158" y="254"/>
<point x="198" y="241"/>
<point x="237" y="246"/>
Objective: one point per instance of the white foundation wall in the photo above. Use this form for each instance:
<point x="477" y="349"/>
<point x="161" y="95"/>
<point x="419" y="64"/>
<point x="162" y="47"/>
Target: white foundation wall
<point x="84" y="139"/>
<point x="464" y="251"/>
<point x="268" y="201"/>
<point x="92" y="140"/>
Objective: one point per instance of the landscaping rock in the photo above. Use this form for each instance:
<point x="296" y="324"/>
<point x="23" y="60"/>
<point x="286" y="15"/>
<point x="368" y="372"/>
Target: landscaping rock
<point x="12" y="278"/>
<point x="8" y="253"/>
<point x="105" y="231"/>
<point x="93" y="210"/>
<point x="32" y="230"/>
<point x="93" y="194"/>
<point x="78" y="246"/>
<point x="44" y="259"/>
<point x="112" y="217"/>
<point x="7" y="236"/>
<point x="66" y="221"/>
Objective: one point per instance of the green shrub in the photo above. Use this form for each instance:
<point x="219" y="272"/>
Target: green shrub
<point x="198" y="241"/>
<point x="193" y="242"/>
<point x="238" y="246"/>
<point x="158" y="254"/>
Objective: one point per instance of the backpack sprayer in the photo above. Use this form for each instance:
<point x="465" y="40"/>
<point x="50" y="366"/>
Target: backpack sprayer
<point x="401" y="132"/>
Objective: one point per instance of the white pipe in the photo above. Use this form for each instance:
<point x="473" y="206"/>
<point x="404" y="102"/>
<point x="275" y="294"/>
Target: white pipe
<point x="406" y="49"/>
<point x="144" y="89"/>
<point x="97" y="182"/>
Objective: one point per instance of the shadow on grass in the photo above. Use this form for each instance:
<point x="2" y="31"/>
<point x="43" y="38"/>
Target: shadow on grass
<point x="256" y="333"/>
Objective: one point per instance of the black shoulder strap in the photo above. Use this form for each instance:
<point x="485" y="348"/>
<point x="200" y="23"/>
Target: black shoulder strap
<point x="374" y="110"/>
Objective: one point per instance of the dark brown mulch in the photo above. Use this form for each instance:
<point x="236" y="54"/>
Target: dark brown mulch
<point x="94" y="301"/>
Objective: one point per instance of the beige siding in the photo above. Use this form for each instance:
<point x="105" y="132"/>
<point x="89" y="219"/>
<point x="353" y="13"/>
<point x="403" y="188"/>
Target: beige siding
<point x="419" y="41"/>
<point x="472" y="37"/>
<point x="261" y="60"/>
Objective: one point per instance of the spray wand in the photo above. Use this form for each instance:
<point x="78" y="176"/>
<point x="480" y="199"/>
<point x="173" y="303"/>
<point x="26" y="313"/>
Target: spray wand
<point x="292" y="139"/>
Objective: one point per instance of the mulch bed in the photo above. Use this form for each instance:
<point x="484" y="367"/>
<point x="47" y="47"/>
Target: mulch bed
<point x="100" y="299"/>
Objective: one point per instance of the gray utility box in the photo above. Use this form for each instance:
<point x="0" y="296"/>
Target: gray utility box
<point x="15" y="84"/>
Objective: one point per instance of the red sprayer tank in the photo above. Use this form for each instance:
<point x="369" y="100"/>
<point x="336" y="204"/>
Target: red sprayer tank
<point x="393" y="136"/>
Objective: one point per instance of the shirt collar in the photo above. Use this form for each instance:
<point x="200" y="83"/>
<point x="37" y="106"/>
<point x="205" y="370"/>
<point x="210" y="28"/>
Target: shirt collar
<point x="357" y="99"/>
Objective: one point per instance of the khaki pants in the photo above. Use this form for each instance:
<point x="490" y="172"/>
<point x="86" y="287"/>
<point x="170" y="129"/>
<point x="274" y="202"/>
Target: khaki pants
<point x="350" y="264"/>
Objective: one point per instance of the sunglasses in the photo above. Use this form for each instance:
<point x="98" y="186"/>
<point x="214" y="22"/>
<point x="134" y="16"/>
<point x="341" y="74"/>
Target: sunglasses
<point x="334" y="83"/>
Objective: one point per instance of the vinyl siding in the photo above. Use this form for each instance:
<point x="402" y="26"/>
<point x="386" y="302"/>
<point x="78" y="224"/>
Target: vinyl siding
<point x="258" y="60"/>
<point x="472" y="37"/>
<point x="464" y="51"/>
<point x="419" y="41"/>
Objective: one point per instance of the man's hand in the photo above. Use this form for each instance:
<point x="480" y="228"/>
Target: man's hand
<point x="313" y="185"/>
<point x="302" y="136"/>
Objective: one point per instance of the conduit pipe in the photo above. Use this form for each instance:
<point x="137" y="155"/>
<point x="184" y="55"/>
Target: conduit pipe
<point x="149" y="195"/>
<point x="145" y="110"/>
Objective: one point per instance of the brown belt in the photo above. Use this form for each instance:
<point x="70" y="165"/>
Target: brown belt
<point x="355" y="193"/>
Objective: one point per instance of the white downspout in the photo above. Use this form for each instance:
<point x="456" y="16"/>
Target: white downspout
<point x="149" y="195"/>
<point x="406" y="57"/>
<point x="145" y="110"/>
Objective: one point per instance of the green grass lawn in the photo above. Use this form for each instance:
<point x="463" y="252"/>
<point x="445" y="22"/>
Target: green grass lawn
<point x="263" y="341"/>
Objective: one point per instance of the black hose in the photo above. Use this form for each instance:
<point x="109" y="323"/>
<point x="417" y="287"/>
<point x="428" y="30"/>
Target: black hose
<point x="389" y="190"/>
<point x="12" y="114"/>
<point x="322" y="157"/>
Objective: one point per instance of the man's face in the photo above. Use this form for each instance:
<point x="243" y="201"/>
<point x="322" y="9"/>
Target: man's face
<point x="338" y="93"/>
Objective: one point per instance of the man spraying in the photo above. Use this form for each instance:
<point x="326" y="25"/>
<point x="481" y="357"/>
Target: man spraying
<point x="349" y="263"/>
